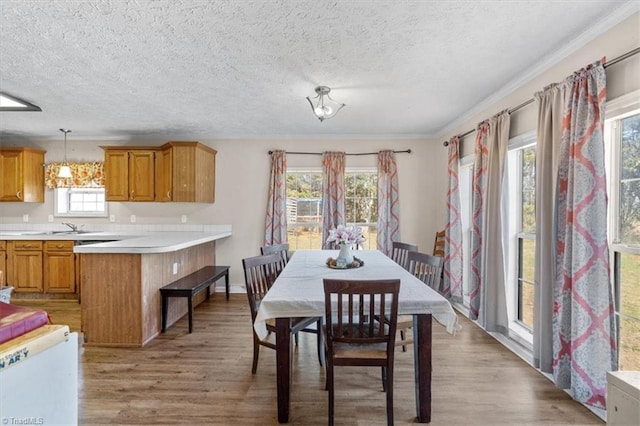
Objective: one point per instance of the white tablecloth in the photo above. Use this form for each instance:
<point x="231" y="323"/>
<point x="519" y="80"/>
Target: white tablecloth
<point x="298" y="291"/>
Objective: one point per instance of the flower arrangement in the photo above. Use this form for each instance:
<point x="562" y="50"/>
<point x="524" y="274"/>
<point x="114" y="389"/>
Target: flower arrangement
<point x="348" y="235"/>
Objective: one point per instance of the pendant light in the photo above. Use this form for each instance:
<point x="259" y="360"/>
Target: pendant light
<point x="65" y="170"/>
<point x="325" y="107"/>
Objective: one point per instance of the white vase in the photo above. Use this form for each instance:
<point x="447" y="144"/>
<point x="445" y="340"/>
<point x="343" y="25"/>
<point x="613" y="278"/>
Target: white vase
<point x="345" y="253"/>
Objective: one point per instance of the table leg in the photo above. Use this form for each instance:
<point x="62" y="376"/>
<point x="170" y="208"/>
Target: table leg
<point x="422" y="365"/>
<point x="283" y="366"/>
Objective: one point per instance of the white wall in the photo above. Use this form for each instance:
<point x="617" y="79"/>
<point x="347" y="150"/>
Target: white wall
<point x="623" y="77"/>
<point x="242" y="176"/>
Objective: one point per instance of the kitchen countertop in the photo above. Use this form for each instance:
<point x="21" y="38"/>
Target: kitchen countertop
<point x="123" y="242"/>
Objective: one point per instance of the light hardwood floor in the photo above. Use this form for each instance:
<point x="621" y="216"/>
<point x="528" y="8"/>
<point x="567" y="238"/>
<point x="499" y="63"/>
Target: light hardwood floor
<point x="204" y="378"/>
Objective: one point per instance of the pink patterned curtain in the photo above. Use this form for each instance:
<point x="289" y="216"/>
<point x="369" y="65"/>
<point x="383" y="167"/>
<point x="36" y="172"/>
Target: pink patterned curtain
<point x="333" y="209"/>
<point x="452" y="282"/>
<point x="83" y="175"/>
<point x="388" y="204"/>
<point x="276" y="220"/>
<point x="584" y="333"/>
<point x="488" y="302"/>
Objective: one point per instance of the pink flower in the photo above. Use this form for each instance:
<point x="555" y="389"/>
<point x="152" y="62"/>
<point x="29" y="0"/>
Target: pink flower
<point x="346" y="235"/>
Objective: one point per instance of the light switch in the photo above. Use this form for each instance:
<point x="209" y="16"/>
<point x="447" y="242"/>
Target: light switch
<point x="112" y="218"/>
<point x="25" y="217"/>
<point x="50" y="218"/>
<point x="133" y="218"/>
<point x="183" y="218"/>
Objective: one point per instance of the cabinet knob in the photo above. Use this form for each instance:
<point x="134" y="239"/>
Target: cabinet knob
<point x="18" y="195"/>
<point x="168" y="194"/>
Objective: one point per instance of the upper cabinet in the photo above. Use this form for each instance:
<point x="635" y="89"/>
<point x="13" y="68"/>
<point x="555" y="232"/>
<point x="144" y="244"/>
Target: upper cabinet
<point x="129" y="174"/>
<point x="22" y="175"/>
<point x="186" y="172"/>
<point x="175" y="171"/>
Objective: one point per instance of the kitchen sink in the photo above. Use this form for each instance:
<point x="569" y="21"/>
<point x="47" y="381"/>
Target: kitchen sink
<point x="70" y="232"/>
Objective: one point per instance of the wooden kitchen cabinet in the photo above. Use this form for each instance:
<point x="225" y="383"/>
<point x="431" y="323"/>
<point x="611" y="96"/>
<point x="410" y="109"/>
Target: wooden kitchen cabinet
<point x="129" y="173"/>
<point x="59" y="267"/>
<point x="24" y="266"/>
<point x="22" y="175"/>
<point x="185" y="172"/>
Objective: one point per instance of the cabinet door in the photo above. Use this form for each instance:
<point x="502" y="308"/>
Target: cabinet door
<point x="141" y="175"/>
<point x="59" y="267"/>
<point x="116" y="175"/>
<point x="26" y="269"/>
<point x="11" y="176"/>
<point x="164" y="178"/>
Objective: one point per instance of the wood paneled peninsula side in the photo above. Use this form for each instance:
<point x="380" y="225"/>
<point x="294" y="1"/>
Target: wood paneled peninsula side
<point x="121" y="282"/>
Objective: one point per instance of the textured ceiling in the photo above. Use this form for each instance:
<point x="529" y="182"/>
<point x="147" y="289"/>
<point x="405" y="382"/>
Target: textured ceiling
<point x="195" y="69"/>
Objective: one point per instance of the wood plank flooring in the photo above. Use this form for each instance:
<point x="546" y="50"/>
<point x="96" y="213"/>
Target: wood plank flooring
<point x="204" y="378"/>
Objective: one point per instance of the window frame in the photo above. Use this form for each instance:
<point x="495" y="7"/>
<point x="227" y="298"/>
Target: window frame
<point x="616" y="110"/>
<point x="68" y="192"/>
<point x="348" y="171"/>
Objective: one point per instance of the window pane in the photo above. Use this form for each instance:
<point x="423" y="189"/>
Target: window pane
<point x="630" y="181"/>
<point x="528" y="190"/>
<point x="526" y="281"/>
<point x="630" y="309"/>
<point x="304" y="207"/>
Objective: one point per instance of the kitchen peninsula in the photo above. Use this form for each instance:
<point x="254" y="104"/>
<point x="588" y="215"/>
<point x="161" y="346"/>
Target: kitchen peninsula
<point x="121" y="281"/>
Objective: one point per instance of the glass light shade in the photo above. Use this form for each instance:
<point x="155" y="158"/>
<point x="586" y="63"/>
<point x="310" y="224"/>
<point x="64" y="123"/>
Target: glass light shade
<point x="321" y="109"/>
<point x="64" y="172"/>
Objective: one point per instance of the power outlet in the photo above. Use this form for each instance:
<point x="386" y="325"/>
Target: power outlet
<point x="50" y="218"/>
<point x="112" y="218"/>
<point x="25" y="217"/>
<point x="133" y="218"/>
<point x="175" y="268"/>
<point x="183" y="218"/>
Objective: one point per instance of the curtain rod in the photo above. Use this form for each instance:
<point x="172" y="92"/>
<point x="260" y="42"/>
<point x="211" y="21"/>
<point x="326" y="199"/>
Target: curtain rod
<point x="530" y="101"/>
<point x="408" y="151"/>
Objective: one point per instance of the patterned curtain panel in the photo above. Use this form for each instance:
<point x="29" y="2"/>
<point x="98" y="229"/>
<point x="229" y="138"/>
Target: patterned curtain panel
<point x="488" y="302"/>
<point x="388" y="204"/>
<point x="83" y="175"/>
<point x="333" y="209"/>
<point x="584" y="333"/>
<point x="276" y="220"/>
<point x="452" y="280"/>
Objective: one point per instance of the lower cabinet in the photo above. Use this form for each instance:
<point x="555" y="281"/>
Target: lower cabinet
<point x="24" y="270"/>
<point x="59" y="267"/>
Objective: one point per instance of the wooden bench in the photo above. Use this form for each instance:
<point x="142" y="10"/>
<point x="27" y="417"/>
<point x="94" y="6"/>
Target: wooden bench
<point x="191" y="285"/>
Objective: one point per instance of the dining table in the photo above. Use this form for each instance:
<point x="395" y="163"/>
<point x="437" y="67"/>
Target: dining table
<point x="299" y="292"/>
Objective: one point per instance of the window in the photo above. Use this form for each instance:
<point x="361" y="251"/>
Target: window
<point x="623" y="140"/>
<point x="465" y="182"/>
<point x="304" y="206"/>
<point x="80" y="202"/>
<point x="519" y="197"/>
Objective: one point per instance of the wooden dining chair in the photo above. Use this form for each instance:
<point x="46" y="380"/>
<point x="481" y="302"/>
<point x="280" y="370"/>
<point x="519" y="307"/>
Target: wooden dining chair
<point x="260" y="272"/>
<point x="283" y="249"/>
<point x="438" y="244"/>
<point x="400" y="251"/>
<point x="352" y="338"/>
<point x="428" y="269"/>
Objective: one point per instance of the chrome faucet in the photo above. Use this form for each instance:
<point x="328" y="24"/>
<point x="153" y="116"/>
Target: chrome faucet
<point x="73" y="227"/>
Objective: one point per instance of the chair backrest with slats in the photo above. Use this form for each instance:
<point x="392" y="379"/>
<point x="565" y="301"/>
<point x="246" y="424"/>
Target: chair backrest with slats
<point x="400" y="251"/>
<point x="438" y="245"/>
<point x="260" y="272"/>
<point x="361" y="311"/>
<point x="282" y="249"/>
<point x="426" y="268"/>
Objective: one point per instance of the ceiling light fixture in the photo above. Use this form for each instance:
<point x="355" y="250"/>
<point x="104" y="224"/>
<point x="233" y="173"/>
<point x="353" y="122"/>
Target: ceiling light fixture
<point x="65" y="170"/>
<point x="11" y="103"/>
<point x="325" y="107"/>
